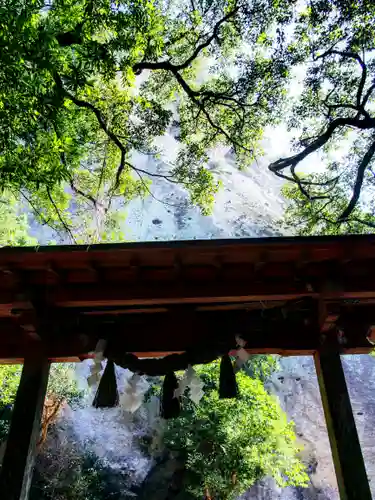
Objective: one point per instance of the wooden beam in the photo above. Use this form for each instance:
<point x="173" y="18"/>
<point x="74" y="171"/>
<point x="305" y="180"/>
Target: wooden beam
<point x="346" y="449"/>
<point x="161" y="354"/>
<point x="136" y="294"/>
<point x="72" y="349"/>
<point x="292" y="329"/>
<point x="18" y="464"/>
<point x="158" y="293"/>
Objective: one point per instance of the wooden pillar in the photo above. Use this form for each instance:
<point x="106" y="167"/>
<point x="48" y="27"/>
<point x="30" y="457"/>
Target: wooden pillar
<point x="19" y="458"/>
<point x="346" y="450"/>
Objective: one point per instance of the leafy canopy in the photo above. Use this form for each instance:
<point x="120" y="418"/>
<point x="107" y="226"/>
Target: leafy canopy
<point x="320" y="217"/>
<point x="229" y="444"/>
<point x="87" y="88"/>
<point x="14" y="224"/>
<point x="73" y="113"/>
<point x="333" y="44"/>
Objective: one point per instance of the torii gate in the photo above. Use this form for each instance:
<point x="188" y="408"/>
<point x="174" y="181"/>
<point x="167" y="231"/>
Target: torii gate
<point x="290" y="296"/>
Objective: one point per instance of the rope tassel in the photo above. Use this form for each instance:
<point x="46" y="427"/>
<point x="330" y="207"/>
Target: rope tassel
<point x="107" y="394"/>
<point x="228" y="384"/>
<point x="170" y="404"/>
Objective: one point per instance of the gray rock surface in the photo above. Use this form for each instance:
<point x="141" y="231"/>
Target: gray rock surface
<point x="296" y="387"/>
<point x="360" y="373"/>
<point x="246" y="206"/>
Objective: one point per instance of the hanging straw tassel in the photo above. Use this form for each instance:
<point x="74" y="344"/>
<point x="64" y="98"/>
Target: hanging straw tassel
<point x="107" y="394"/>
<point x="228" y="384"/>
<point x="170" y="405"/>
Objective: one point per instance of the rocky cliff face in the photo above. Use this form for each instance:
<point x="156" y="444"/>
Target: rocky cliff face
<point x="296" y="386"/>
<point x="247" y="206"/>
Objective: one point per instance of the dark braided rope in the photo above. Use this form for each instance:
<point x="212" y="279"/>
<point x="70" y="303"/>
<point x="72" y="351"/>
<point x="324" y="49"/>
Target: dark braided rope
<point x="172" y="362"/>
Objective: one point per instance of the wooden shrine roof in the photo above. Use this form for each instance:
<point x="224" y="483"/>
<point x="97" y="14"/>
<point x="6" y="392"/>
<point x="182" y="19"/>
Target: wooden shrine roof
<point x="286" y="295"/>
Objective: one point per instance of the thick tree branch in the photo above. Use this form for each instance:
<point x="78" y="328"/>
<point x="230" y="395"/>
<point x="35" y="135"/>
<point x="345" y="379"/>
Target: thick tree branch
<point x="84" y="195"/>
<point x="359" y="110"/>
<point x="368" y="95"/>
<point x="358" y="58"/>
<point x="120" y="169"/>
<point x="209" y="40"/>
<point x="111" y="135"/>
<point x="292" y="161"/>
<point x="362" y="121"/>
<point x="168" y="66"/>
<point x="193" y="96"/>
<point x="342" y="53"/>
<point x="358" y="182"/>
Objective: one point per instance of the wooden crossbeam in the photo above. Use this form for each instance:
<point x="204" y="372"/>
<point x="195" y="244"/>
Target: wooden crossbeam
<point x="73" y="333"/>
<point x="156" y="293"/>
<point x="297" y="327"/>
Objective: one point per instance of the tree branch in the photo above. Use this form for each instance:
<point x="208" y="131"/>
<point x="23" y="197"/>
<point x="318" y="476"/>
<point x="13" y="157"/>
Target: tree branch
<point x="368" y="95"/>
<point x="358" y="183"/>
<point x="74" y="187"/>
<point x="364" y="222"/>
<point x="111" y="135"/>
<point x="193" y="96"/>
<point x="63" y="223"/>
<point x="292" y="161"/>
<point x="167" y="65"/>
<point x="104" y="165"/>
<point x="45" y="222"/>
<point x="103" y="125"/>
<point x="353" y="55"/>
<point x="301" y="185"/>
<point x="152" y="194"/>
<point x="316" y="215"/>
<point x="84" y="195"/>
<point x="365" y="123"/>
<point x="101" y="121"/>
<point x="210" y="39"/>
<point x="120" y="169"/>
<point x="359" y="110"/>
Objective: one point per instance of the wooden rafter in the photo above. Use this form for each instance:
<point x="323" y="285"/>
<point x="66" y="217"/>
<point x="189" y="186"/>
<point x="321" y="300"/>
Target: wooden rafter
<point x="66" y="297"/>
